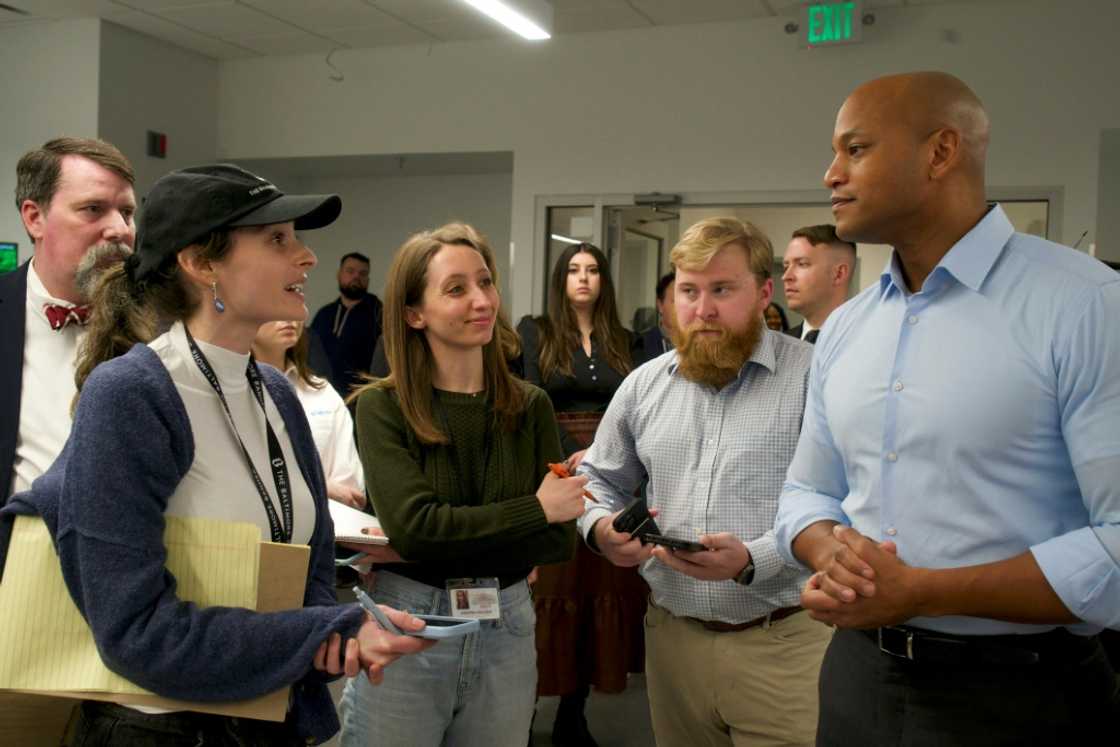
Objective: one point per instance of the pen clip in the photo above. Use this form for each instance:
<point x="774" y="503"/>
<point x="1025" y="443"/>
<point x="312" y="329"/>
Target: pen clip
<point x="369" y="606"/>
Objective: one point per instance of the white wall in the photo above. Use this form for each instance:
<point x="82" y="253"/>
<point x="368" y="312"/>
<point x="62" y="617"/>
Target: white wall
<point x="49" y="88"/>
<point x="378" y="214"/>
<point x="1108" y="216"/>
<point x="147" y="84"/>
<point x="749" y="110"/>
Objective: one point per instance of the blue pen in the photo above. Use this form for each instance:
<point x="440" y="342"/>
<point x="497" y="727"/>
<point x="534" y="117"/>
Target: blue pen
<point x="369" y="606"/>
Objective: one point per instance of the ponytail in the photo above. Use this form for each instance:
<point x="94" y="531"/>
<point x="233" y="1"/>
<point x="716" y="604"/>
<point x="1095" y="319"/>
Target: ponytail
<point x="118" y="320"/>
<point x="124" y="311"/>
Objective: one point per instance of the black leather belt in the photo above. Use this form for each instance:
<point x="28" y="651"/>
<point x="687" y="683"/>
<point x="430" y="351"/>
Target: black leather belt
<point x="928" y="646"/>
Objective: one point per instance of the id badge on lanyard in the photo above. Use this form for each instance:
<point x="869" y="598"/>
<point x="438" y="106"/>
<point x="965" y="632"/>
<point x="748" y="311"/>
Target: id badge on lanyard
<point x="475" y="598"/>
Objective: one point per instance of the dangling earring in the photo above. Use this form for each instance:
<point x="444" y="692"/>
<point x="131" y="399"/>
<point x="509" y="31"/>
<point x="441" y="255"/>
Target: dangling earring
<point x="217" y="301"/>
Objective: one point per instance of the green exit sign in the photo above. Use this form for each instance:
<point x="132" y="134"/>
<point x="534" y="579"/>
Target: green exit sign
<point x="9" y="256"/>
<point x="826" y="23"/>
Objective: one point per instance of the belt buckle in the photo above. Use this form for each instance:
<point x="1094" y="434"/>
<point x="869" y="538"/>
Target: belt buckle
<point x="897" y="642"/>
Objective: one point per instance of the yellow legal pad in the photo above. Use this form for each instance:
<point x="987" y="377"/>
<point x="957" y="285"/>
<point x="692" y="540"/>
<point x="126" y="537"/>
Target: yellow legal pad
<point x="47" y="646"/>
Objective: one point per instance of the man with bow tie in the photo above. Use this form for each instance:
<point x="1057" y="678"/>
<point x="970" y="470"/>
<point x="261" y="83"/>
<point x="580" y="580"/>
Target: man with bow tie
<point x="76" y="201"/>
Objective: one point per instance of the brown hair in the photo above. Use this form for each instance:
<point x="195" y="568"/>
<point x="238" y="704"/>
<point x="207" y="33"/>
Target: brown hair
<point x="703" y="239"/>
<point x="296" y="355"/>
<point x="559" y="331"/>
<point x="124" y="312"/>
<point x="39" y="170"/>
<point x="410" y="357"/>
<point x="822" y="234"/>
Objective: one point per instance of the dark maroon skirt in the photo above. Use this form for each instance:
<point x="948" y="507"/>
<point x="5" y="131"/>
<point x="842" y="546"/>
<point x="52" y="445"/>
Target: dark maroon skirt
<point x="589" y="612"/>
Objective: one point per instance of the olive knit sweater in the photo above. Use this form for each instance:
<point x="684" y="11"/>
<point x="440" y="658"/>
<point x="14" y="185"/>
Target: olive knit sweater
<point x="467" y="509"/>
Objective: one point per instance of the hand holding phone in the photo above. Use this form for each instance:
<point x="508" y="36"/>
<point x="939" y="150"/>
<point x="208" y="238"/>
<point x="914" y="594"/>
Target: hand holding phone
<point x="621" y="546"/>
<point x="673" y="543"/>
<point x="637" y="520"/>
<point x="436" y="627"/>
<point x="724" y="556"/>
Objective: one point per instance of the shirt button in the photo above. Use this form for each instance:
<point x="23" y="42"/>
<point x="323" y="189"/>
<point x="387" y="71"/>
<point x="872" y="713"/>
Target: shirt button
<point x="912" y="319"/>
<point x="592" y="366"/>
<point x="594" y="378"/>
<point x="892" y="531"/>
<point x="892" y="457"/>
<point x="711" y="441"/>
<point x="898" y="385"/>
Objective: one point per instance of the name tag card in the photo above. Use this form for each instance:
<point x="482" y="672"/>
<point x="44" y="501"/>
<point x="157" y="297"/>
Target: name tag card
<point x="475" y="598"/>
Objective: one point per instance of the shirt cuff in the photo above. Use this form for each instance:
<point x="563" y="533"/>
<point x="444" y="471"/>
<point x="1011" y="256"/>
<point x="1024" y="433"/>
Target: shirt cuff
<point x="798" y="509"/>
<point x="591" y="514"/>
<point x="1083" y="575"/>
<point x="764" y="554"/>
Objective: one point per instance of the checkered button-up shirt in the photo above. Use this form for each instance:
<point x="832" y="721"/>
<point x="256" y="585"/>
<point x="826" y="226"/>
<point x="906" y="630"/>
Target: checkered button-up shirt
<point x="716" y="461"/>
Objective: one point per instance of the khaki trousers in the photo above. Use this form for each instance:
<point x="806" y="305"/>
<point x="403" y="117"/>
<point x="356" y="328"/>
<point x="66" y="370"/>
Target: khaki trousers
<point x="753" y="687"/>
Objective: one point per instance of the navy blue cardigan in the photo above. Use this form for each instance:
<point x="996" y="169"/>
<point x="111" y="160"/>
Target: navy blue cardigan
<point x="104" y="499"/>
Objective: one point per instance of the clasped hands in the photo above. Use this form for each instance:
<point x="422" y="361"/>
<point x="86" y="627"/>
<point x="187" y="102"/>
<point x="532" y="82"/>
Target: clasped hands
<point x="861" y="583"/>
<point x="725" y="557"/>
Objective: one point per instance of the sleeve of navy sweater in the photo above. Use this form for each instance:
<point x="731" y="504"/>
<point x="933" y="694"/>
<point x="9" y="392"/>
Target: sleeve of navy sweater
<point x="131" y="445"/>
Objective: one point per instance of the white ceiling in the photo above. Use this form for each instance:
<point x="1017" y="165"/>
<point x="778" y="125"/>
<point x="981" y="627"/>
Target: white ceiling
<point x="231" y="29"/>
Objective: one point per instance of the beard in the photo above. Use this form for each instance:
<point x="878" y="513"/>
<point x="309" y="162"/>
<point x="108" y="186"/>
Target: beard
<point x="353" y="292"/>
<point x="94" y="263"/>
<point x="712" y="360"/>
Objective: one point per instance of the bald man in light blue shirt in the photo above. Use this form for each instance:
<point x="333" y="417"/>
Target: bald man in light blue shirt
<point x="956" y="485"/>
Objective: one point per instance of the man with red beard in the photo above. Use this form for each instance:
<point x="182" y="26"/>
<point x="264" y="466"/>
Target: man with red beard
<point x="731" y="657"/>
<point x="76" y="201"/>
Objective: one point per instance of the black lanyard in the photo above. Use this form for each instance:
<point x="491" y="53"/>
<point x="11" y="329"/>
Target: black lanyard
<point x="457" y="464"/>
<point x="280" y="532"/>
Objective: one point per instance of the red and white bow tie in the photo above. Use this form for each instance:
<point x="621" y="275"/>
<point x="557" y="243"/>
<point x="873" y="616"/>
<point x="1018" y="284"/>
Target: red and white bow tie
<point x="60" y="316"/>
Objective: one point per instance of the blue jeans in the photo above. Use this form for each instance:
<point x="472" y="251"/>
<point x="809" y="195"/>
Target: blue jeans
<point x="479" y="689"/>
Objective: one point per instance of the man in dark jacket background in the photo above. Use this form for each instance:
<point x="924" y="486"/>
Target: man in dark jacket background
<point x="349" y="327"/>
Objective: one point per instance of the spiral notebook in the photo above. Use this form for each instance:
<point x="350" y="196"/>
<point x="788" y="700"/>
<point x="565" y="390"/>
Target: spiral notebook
<point x="349" y="522"/>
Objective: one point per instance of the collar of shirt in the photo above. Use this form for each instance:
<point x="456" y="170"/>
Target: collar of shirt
<point x="39" y="297"/>
<point x="763" y="355"/>
<point x="968" y="261"/>
<point x="227" y="365"/>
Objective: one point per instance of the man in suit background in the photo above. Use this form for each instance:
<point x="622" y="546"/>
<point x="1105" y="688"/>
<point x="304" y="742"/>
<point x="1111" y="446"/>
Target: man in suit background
<point x="74" y="195"/>
<point x="656" y="340"/>
<point x="816" y="270"/>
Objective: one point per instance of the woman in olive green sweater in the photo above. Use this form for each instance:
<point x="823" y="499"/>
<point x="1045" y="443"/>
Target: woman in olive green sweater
<point x="456" y="453"/>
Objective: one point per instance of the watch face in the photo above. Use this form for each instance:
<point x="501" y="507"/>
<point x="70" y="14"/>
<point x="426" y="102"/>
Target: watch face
<point x="746" y="575"/>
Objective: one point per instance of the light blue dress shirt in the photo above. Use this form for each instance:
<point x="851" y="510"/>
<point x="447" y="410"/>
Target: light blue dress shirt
<point x="974" y="420"/>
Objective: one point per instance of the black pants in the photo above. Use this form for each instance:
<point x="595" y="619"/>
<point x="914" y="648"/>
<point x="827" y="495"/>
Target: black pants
<point x="111" y="724"/>
<point x="1110" y="639"/>
<point x="872" y="698"/>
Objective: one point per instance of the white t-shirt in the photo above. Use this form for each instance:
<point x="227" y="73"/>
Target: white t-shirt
<point x="219" y="484"/>
<point x="48" y="386"/>
<point x="333" y="431"/>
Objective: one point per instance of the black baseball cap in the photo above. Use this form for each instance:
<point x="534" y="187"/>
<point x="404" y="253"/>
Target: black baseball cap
<point x="186" y="206"/>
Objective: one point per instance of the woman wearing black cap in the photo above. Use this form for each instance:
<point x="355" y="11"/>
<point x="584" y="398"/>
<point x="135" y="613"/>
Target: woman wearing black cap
<point x="184" y="423"/>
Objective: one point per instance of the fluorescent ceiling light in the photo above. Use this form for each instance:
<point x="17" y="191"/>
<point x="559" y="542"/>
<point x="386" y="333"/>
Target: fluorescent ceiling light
<point x="518" y="15"/>
<point x="565" y="239"/>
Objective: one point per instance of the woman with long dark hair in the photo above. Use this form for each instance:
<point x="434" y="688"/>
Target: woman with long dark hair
<point x="175" y="418"/>
<point x="456" y="452"/>
<point x="775" y="317"/>
<point x="589" y="612"/>
<point x="579" y="352"/>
